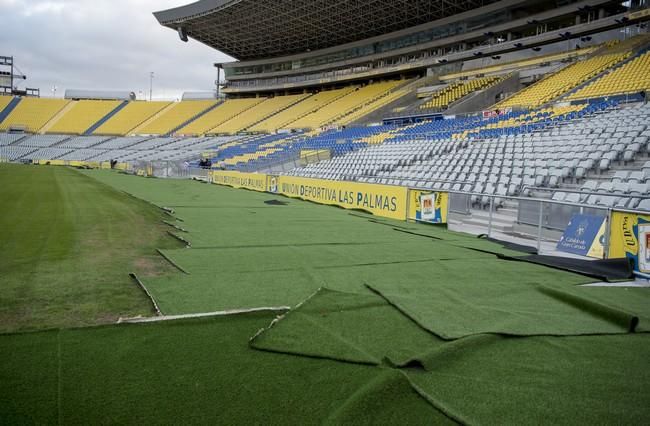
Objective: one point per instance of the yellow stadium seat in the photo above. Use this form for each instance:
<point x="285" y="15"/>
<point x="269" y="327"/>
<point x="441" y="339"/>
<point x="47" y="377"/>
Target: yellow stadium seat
<point x="444" y="97"/>
<point x="130" y="117"/>
<point x="334" y="113"/>
<point x="632" y="77"/>
<point x="221" y="114"/>
<point x="82" y="115"/>
<point x="178" y="114"/>
<point x="257" y="113"/>
<point x="558" y="84"/>
<point x="33" y="113"/>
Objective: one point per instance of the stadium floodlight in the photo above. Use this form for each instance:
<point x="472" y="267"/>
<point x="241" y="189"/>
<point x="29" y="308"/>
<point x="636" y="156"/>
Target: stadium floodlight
<point x="151" y="75"/>
<point x="182" y="34"/>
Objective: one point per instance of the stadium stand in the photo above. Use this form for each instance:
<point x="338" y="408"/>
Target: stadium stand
<point x="130" y="117"/>
<point x="572" y="76"/>
<point x="20" y="147"/>
<point x="443" y="98"/>
<point x="174" y="117"/>
<point x="631" y="77"/>
<point x="512" y="163"/>
<point x="339" y="108"/>
<point x="81" y="142"/>
<point x="561" y="82"/>
<point x="7" y="139"/>
<point x="285" y="119"/>
<point x="518" y="65"/>
<point x="81" y="116"/>
<point x="219" y="115"/>
<point x="43" y="141"/>
<point x="4" y="101"/>
<point x="31" y="114"/>
<point x="258" y="113"/>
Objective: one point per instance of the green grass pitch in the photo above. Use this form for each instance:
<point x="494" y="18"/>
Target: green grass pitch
<point x="389" y="327"/>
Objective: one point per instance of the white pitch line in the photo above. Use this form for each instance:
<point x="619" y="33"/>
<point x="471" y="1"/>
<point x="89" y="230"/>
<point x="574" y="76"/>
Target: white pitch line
<point x="201" y="315"/>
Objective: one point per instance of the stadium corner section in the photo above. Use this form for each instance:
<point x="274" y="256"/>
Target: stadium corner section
<point x="390" y="201"/>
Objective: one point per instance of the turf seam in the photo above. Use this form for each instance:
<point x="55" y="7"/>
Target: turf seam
<point x="144" y="288"/>
<point x="181" y="239"/>
<point x="171" y="261"/>
<point x="438" y="406"/>
<point x="417" y="234"/>
<point x="173" y="225"/>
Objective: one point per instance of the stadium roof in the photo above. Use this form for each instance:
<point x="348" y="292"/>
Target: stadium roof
<point x="256" y="29"/>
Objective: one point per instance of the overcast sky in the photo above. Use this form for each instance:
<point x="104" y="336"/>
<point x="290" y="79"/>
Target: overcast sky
<point x="103" y="44"/>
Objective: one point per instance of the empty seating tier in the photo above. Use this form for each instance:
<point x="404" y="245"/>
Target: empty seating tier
<point x="130" y="117"/>
<point x="219" y="115"/>
<point x="286" y="119"/>
<point x="561" y="82"/>
<point x="179" y="114"/>
<point x="336" y="110"/>
<point x="441" y="99"/>
<point x="82" y="115"/>
<point x="631" y="77"/>
<point x="257" y="113"/>
<point x="32" y="114"/>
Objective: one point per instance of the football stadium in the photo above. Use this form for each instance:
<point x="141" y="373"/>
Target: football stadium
<point x="389" y="212"/>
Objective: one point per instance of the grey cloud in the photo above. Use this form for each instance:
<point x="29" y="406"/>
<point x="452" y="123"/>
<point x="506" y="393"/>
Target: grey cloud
<point x="103" y="44"/>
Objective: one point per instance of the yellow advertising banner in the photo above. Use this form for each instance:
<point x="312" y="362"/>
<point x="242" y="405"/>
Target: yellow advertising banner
<point x="629" y="237"/>
<point x="254" y="181"/>
<point x="381" y="200"/>
<point x="428" y="206"/>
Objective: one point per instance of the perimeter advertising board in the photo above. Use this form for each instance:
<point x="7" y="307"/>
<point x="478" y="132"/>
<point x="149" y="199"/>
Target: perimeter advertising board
<point x="630" y="238"/>
<point x="584" y="235"/>
<point x="254" y="181"/>
<point x="381" y="200"/>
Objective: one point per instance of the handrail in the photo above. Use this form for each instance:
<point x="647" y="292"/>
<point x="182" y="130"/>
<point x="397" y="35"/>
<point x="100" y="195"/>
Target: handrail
<point x="574" y="191"/>
<point x="505" y="197"/>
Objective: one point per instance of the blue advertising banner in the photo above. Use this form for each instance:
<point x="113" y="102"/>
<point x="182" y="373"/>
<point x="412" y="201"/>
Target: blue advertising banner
<point x="584" y="235"/>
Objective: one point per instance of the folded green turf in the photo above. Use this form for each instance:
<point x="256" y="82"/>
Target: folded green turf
<point x="532" y="305"/>
<point x="189" y="372"/>
<point x="361" y="328"/>
<point x="367" y="405"/>
<point x="485" y="378"/>
<point x="541" y="380"/>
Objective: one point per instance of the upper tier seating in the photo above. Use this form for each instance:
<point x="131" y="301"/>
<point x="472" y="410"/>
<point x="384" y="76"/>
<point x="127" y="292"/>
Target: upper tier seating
<point x="4" y="101"/>
<point x="219" y="115"/>
<point x="338" y="109"/>
<point x="82" y="115"/>
<point x="562" y="81"/>
<point x="285" y="119"/>
<point x="631" y="77"/>
<point x="130" y="117"/>
<point x="442" y="98"/>
<point x="257" y="113"/>
<point x="33" y="113"/>
<point x="177" y="115"/>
